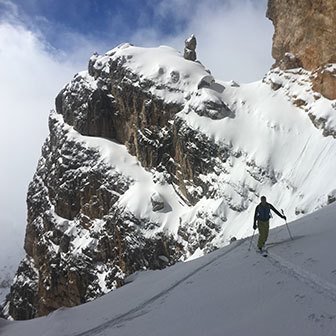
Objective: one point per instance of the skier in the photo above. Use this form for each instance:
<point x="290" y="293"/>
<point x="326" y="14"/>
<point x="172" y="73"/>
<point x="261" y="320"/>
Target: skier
<point x="262" y="215"/>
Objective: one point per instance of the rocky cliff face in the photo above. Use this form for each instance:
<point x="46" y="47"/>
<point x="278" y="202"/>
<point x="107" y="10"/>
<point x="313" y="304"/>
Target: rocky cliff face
<point x="307" y="30"/>
<point x="149" y="161"/>
<point x="79" y="244"/>
<point x="80" y="241"/>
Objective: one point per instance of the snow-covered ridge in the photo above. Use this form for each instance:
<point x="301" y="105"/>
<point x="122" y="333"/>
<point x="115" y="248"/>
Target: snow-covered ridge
<point x="164" y="66"/>
<point x="296" y="84"/>
<point x="161" y="71"/>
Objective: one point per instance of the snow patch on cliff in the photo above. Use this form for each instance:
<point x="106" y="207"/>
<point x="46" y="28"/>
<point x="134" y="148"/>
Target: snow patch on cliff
<point x="137" y="199"/>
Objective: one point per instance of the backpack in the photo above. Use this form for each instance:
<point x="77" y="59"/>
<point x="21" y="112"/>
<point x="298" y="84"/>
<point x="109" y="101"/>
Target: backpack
<point x="264" y="212"/>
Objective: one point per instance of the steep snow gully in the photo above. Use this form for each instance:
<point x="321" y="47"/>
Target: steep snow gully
<point x="230" y="291"/>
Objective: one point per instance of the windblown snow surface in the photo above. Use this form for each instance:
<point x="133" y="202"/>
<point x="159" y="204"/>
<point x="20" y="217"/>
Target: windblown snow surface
<point x="232" y="291"/>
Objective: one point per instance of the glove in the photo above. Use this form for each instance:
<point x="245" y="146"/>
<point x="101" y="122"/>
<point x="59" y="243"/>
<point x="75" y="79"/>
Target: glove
<point x="255" y="226"/>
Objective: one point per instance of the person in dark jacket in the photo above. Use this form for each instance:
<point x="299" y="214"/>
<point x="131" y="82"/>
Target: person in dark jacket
<point x="261" y="220"/>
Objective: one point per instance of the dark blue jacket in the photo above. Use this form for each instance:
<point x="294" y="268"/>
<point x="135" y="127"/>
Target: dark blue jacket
<point x="263" y="212"/>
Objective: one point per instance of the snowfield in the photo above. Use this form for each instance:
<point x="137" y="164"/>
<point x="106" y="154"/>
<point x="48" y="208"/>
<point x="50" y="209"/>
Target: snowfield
<point x="231" y="291"/>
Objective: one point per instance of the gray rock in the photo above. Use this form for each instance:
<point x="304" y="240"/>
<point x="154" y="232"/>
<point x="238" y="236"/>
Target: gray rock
<point x="164" y="259"/>
<point x="191" y="42"/>
<point x="190" y="48"/>
<point x="233" y="239"/>
<point x="290" y="61"/>
<point x="275" y="86"/>
<point x="205" y="82"/>
<point x="157" y="202"/>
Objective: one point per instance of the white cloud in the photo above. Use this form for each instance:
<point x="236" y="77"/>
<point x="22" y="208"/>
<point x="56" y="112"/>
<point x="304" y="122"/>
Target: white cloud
<point x="234" y="37"/>
<point x="236" y="42"/>
<point x="29" y="80"/>
<point x="32" y="72"/>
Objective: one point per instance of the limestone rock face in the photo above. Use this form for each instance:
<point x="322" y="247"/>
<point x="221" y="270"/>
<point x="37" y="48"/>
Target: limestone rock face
<point x="306" y="29"/>
<point x="324" y="81"/>
<point x="75" y="236"/>
<point x="290" y="61"/>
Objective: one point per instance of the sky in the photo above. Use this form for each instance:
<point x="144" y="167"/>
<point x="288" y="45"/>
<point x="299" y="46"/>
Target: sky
<point x="43" y="43"/>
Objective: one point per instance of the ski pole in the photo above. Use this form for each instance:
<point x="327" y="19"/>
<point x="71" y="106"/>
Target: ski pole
<point x="290" y="235"/>
<point x="251" y="240"/>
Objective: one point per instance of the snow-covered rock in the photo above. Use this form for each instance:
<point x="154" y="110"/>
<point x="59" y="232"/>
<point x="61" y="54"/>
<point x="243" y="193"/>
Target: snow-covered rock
<point x="157" y="201"/>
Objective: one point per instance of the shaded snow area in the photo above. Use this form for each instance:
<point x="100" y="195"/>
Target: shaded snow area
<point x="230" y="291"/>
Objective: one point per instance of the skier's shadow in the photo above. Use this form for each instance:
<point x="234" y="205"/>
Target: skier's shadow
<point x="279" y="242"/>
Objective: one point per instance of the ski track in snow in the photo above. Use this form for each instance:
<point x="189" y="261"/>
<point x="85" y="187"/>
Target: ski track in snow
<point x="139" y="310"/>
<point x="320" y="285"/>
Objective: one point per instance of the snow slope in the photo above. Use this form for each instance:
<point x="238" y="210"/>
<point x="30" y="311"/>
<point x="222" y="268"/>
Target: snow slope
<point x="230" y="291"/>
<point x="280" y="152"/>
